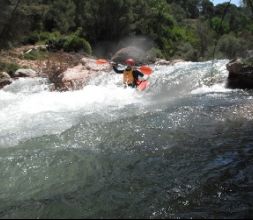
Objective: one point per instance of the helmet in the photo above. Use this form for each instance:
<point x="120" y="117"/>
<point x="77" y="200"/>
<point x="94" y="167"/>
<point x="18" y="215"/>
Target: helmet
<point x="130" y="62"/>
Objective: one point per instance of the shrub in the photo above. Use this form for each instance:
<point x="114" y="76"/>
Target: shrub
<point x="75" y="43"/>
<point x="10" y="68"/>
<point x="69" y="43"/>
<point x="186" y="51"/>
<point x="230" y="46"/>
<point x="31" y="39"/>
<point x="55" y="43"/>
<point x="35" y="55"/>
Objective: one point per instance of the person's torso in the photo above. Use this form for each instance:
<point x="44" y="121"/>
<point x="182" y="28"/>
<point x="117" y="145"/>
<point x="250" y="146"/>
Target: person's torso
<point x="128" y="77"/>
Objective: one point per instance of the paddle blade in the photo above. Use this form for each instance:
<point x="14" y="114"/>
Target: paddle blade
<point x="101" y="61"/>
<point x="145" y="70"/>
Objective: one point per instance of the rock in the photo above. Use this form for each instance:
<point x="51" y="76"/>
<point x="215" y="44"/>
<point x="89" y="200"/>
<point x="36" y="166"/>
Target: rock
<point x="76" y="77"/>
<point x="162" y="62"/>
<point x="5" y="79"/>
<point x="167" y="62"/>
<point x="240" y="75"/>
<point x="25" y="73"/>
<point x="172" y="62"/>
<point x="91" y="64"/>
<point x="234" y="67"/>
<point x="135" y="53"/>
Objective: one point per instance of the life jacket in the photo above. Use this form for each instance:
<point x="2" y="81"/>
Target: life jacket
<point x="128" y="77"/>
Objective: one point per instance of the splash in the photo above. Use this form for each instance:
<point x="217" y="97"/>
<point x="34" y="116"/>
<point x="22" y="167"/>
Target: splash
<point x="28" y="109"/>
<point x="108" y="48"/>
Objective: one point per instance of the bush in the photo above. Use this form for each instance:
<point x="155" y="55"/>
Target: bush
<point x="44" y="36"/>
<point x="31" y="39"/>
<point x="69" y="43"/>
<point x="230" y="46"/>
<point x="186" y="51"/>
<point x="10" y="68"/>
<point x="56" y="41"/>
<point x="36" y="37"/>
<point x="75" y="43"/>
<point x="35" y="55"/>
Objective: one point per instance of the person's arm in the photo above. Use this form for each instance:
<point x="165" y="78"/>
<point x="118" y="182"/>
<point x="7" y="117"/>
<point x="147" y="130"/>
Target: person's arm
<point x="137" y="73"/>
<point x="116" y="70"/>
<point x="140" y="75"/>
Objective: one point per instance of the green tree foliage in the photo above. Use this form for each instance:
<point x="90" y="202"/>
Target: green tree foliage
<point x="191" y="7"/>
<point x="60" y="16"/>
<point x="248" y="4"/>
<point x="11" y="16"/>
<point x="219" y="26"/>
<point x="230" y="46"/>
<point x="5" y="11"/>
<point x="206" y="8"/>
<point x="177" y="27"/>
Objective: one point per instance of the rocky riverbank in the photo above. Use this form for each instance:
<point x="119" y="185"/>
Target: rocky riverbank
<point x="66" y="71"/>
<point x="71" y="71"/>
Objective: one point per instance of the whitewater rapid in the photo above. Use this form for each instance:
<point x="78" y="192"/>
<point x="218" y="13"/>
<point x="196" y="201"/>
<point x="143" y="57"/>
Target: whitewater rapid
<point x="29" y="109"/>
<point x="181" y="149"/>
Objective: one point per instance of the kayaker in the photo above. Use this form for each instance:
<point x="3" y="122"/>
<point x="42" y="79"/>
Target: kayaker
<point x="131" y="76"/>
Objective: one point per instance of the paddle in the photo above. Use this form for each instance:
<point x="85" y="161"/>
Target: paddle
<point x="102" y="61"/>
<point x="144" y="69"/>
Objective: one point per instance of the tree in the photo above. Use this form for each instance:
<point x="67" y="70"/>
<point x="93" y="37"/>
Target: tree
<point x="204" y="36"/>
<point x="206" y="8"/>
<point x="248" y="4"/>
<point x="219" y="26"/>
<point x="8" y="33"/>
<point x="230" y="46"/>
<point x="60" y="16"/>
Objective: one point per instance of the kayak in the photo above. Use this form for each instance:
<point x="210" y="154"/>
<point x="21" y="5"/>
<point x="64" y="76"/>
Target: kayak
<point x="143" y="85"/>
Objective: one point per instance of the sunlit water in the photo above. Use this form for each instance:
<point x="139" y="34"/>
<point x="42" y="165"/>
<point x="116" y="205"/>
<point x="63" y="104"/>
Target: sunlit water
<point x="181" y="149"/>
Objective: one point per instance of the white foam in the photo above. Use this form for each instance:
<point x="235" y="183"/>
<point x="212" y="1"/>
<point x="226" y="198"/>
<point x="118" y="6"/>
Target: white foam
<point x="217" y="88"/>
<point x="29" y="109"/>
<point x="30" y="113"/>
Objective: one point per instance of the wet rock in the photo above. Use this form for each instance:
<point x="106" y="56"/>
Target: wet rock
<point x="240" y="75"/>
<point x="25" y="73"/>
<point x="91" y="64"/>
<point x="135" y="53"/>
<point x="78" y="76"/>
<point x="167" y="62"/>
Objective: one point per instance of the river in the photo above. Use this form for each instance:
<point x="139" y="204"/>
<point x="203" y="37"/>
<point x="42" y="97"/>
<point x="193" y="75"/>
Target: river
<point x="181" y="149"/>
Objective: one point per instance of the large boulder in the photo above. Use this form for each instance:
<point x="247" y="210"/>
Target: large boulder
<point x="76" y="77"/>
<point x="240" y="75"/>
<point x="135" y="53"/>
<point x="25" y="73"/>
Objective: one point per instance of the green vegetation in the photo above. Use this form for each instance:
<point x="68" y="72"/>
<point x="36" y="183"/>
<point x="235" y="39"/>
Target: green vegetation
<point x="9" y="68"/>
<point x="37" y="54"/>
<point x="177" y="28"/>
